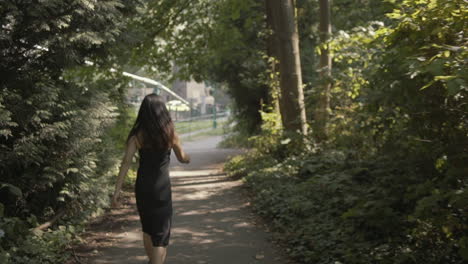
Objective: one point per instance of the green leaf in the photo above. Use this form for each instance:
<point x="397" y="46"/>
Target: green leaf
<point x="427" y="85"/>
<point x="72" y="170"/>
<point x="13" y="189"/>
<point x="444" y="78"/>
<point x="454" y="86"/>
<point x="436" y="67"/>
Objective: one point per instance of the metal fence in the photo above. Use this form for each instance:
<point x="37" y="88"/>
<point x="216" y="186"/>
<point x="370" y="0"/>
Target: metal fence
<point x="200" y="122"/>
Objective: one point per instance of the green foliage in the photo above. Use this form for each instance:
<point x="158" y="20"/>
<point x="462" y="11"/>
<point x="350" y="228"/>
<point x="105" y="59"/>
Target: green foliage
<point x="328" y="208"/>
<point x="425" y="57"/>
<point x="347" y="17"/>
<point x="235" y="139"/>
<point x="119" y="132"/>
<point x="130" y="178"/>
<point x="390" y="186"/>
<point x="191" y="126"/>
<point x="40" y="247"/>
<point x="222" y="42"/>
<point x="239" y="137"/>
<point x="236" y="57"/>
<point x="56" y="151"/>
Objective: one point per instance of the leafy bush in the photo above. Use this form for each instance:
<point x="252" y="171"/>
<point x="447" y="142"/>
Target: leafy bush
<point x="391" y="185"/>
<point x="40" y="247"/>
<point x="329" y="208"/>
<point x="57" y="156"/>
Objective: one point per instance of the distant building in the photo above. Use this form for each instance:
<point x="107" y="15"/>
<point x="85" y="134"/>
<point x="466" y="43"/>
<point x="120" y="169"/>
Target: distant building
<point x="196" y="93"/>
<point x="137" y="91"/>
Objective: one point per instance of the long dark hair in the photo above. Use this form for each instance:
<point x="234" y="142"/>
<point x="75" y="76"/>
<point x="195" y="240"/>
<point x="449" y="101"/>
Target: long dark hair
<point x="153" y="127"/>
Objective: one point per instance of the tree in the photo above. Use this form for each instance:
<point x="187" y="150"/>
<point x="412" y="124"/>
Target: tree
<point x="323" y="103"/>
<point x="223" y="43"/>
<point x="56" y="153"/>
<point x="286" y="35"/>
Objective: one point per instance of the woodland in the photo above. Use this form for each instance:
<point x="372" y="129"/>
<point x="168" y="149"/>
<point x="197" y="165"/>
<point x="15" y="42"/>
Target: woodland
<point x="355" y="113"/>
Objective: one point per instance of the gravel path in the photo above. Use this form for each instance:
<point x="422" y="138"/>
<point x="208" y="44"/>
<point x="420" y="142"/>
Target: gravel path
<point x="212" y="222"/>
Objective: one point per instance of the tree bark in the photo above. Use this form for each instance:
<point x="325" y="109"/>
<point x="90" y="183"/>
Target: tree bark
<point x="322" y="110"/>
<point x="283" y="20"/>
<point x="272" y="53"/>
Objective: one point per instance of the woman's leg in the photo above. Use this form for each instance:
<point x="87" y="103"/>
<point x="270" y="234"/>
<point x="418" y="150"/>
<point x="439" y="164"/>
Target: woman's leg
<point x="148" y="244"/>
<point x="164" y="255"/>
<point x="158" y="255"/>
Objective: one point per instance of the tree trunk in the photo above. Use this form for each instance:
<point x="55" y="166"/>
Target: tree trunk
<point x="323" y="103"/>
<point x="272" y="53"/>
<point x="283" y="20"/>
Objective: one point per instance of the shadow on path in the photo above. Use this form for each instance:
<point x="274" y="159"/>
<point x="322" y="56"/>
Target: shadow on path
<point x="212" y="223"/>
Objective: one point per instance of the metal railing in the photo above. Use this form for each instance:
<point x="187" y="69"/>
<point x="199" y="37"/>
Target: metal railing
<point x="199" y="123"/>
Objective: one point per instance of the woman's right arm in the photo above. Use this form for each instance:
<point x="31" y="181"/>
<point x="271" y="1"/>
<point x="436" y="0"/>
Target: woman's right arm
<point x="179" y="152"/>
<point x="130" y="150"/>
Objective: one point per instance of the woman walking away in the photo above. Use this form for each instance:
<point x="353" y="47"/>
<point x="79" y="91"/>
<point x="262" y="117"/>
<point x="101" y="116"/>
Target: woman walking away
<point x="153" y="136"/>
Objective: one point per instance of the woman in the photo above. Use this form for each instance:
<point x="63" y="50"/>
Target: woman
<point x="153" y="136"/>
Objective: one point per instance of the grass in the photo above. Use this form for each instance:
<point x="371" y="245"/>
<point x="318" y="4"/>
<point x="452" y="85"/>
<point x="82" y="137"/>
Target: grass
<point x="186" y="127"/>
<point x="220" y="130"/>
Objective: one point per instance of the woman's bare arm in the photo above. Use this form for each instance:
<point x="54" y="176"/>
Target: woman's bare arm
<point x="180" y="154"/>
<point x="130" y="150"/>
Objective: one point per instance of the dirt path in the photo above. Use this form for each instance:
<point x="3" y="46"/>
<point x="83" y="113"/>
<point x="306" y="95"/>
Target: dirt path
<point x="212" y="222"/>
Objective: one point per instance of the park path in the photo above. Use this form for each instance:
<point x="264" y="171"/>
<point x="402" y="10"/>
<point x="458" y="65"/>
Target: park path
<point x="212" y="223"/>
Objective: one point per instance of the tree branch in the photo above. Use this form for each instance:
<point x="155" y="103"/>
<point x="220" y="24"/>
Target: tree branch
<point x="51" y="221"/>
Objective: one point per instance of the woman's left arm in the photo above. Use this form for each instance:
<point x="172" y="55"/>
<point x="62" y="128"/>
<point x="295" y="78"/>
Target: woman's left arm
<point x="130" y="150"/>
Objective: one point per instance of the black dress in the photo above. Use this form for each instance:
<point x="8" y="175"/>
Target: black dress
<point x="153" y="195"/>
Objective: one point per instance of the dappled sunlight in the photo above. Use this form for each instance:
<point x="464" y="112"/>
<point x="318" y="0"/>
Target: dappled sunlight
<point x="212" y="221"/>
<point x="189" y="182"/>
<point x="211" y="216"/>
<point x="195" y="173"/>
<point x="125" y="253"/>
<point x="209" y="210"/>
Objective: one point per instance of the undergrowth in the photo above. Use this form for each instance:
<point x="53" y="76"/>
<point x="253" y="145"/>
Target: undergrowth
<point x="330" y="209"/>
<point x="331" y="205"/>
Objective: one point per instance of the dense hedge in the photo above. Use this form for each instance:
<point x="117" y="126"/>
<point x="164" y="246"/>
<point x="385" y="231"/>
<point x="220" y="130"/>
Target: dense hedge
<point x="57" y="152"/>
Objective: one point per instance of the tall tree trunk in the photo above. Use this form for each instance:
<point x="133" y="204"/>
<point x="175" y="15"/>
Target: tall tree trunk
<point x="323" y="104"/>
<point x="272" y="53"/>
<point x="292" y="108"/>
